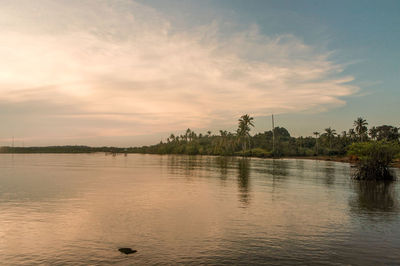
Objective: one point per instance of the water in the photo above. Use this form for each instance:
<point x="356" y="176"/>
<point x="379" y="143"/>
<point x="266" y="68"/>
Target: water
<point x="79" y="209"/>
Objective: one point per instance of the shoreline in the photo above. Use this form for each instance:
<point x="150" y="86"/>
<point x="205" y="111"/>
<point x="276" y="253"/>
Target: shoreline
<point x="340" y="159"/>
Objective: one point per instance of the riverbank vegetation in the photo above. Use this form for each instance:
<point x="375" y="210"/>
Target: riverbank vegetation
<point x="374" y="159"/>
<point x="373" y="150"/>
<point x="62" y="149"/>
<point x="273" y="143"/>
<point x="276" y="143"/>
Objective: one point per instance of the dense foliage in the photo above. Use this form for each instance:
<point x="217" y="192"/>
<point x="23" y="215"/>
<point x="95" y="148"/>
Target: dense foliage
<point x="276" y="143"/>
<point x="374" y="159"/>
<point x="61" y="149"/>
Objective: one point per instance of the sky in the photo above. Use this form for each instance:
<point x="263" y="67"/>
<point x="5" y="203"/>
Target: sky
<point x="130" y="72"/>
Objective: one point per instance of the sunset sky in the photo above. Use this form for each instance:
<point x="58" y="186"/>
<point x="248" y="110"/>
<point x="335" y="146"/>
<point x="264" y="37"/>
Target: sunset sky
<point x="128" y="73"/>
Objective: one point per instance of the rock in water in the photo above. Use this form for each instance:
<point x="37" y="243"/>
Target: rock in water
<point x="127" y="250"/>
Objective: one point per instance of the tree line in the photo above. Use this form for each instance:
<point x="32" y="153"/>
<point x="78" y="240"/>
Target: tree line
<point x="62" y="149"/>
<point x="273" y="143"/>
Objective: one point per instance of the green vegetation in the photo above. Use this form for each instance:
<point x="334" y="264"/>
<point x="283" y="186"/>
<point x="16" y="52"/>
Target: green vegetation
<point x="243" y="131"/>
<point x="374" y="159"/>
<point x="278" y="143"/>
<point x="327" y="143"/>
<point x="61" y="149"/>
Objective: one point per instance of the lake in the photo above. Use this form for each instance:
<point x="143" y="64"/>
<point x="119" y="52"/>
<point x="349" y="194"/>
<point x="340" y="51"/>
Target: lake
<point x="74" y="209"/>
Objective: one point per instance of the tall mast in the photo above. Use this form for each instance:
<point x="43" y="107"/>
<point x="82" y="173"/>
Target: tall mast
<point x="273" y="136"/>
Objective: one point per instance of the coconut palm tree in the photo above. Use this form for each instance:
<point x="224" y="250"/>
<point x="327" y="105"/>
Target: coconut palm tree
<point x="245" y="122"/>
<point x="352" y="134"/>
<point x="188" y="134"/>
<point x="360" y="125"/>
<point x="330" y="134"/>
<point x="316" y="133"/>
<point x="222" y="144"/>
<point x="373" y="133"/>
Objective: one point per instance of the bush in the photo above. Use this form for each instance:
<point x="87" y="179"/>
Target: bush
<point x="256" y="152"/>
<point x="374" y="159"/>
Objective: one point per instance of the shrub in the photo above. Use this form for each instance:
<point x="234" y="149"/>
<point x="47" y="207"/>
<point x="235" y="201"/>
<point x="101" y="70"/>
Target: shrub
<point x="374" y="159"/>
<point x="256" y="152"/>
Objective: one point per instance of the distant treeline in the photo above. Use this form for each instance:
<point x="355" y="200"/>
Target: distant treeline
<point x="276" y="143"/>
<point x="61" y="149"/>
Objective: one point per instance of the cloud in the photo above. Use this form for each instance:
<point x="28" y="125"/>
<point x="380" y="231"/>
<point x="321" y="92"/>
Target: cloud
<point x="107" y="61"/>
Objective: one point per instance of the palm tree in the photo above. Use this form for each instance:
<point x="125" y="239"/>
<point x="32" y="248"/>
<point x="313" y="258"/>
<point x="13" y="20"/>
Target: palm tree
<point x="193" y="135"/>
<point x="330" y="134"/>
<point x="171" y="138"/>
<point x="316" y="133"/>
<point x="190" y="135"/>
<point x="373" y="133"/>
<point x="222" y="144"/>
<point x="245" y="122"/>
<point x="360" y="125"/>
<point x="352" y="134"/>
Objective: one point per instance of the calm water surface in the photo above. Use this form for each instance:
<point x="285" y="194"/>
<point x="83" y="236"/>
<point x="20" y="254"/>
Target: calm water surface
<point x="79" y="209"/>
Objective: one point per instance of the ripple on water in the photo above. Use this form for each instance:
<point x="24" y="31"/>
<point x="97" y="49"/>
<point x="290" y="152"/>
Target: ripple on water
<point x="79" y="209"/>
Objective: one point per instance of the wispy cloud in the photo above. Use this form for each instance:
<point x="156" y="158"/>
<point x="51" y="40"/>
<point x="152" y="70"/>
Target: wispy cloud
<point x="102" y="61"/>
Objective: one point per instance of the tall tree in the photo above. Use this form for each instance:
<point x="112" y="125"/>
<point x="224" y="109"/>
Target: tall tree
<point x="188" y="135"/>
<point x="360" y="125"/>
<point x="389" y="133"/>
<point x="373" y="133"/>
<point x="330" y="135"/>
<point x="243" y="131"/>
<point x="352" y="134"/>
<point x="316" y="133"/>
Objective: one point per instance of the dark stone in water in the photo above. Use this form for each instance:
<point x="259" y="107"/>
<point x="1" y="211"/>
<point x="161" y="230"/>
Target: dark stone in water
<point x="127" y="250"/>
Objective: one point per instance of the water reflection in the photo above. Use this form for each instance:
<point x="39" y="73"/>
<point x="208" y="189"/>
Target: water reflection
<point x="329" y="172"/>
<point x="78" y="209"/>
<point x="300" y="165"/>
<point x="185" y="164"/>
<point x="243" y="180"/>
<point x="278" y="168"/>
<point x="222" y="164"/>
<point x="374" y="197"/>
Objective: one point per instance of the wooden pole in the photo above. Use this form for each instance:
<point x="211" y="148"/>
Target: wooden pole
<point x="273" y="136"/>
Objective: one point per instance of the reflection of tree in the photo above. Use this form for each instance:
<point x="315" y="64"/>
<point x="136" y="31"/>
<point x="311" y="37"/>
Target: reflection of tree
<point x="222" y="163"/>
<point x="243" y="179"/>
<point x="183" y="164"/>
<point x="325" y="172"/>
<point x="278" y="168"/>
<point x="191" y="163"/>
<point x="329" y="172"/>
<point x="374" y="196"/>
<point x="300" y="165"/>
<point x="171" y="163"/>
